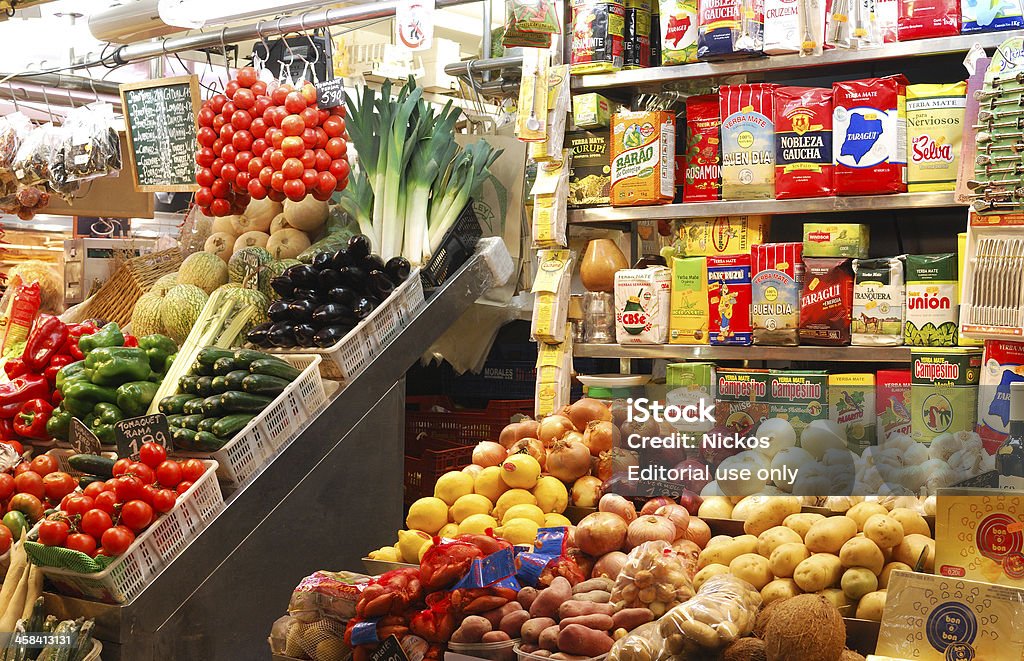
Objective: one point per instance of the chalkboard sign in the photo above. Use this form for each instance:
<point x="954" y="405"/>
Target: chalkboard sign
<point x="330" y="93"/>
<point x="161" y="119"/>
<point x="132" y="433"/>
<point x="82" y="440"/>
<point x="389" y="650"/>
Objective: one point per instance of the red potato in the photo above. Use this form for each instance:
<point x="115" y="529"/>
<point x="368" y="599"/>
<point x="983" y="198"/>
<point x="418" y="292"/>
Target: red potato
<point x="532" y="629"/>
<point x="549" y="639"/>
<point x="472" y="630"/>
<point x="495" y="637"/>
<point x="526" y="597"/>
<point x="513" y="622"/>
<point x="596" y="596"/>
<point x="547" y="602"/>
<point x="578" y="639"/>
<point x="597" y="621"/>
<point x="631" y="618"/>
<point x="495" y="616"/>
<point x="575" y="608"/>
<point x="600" y="583"/>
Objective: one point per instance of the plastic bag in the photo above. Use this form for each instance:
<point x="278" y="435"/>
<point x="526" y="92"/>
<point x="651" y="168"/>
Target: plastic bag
<point x="327" y="594"/>
<point x="655" y="576"/>
<point x="13" y="130"/>
<point x="725" y="609"/>
<point x="31" y="164"/>
<point x="58" y="178"/>
<point x="392" y="593"/>
<point x="446" y="562"/>
<point x="94" y="149"/>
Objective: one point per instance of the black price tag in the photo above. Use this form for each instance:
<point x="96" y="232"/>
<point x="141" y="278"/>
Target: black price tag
<point x="82" y="440"/>
<point x="389" y="650"/>
<point x="330" y="93"/>
<point x="132" y="433"/>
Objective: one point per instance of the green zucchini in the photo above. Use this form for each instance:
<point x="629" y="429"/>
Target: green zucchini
<point x="193" y="406"/>
<point x="92" y="464"/>
<point x="206" y="442"/>
<point x="261" y="384"/>
<point x="246" y="357"/>
<point x="86" y="480"/>
<point x="224" y="365"/>
<point x="182" y="438"/>
<point x="243" y="402"/>
<point x="174" y="403"/>
<point x="220" y="384"/>
<point x="233" y="380"/>
<point x="210" y="355"/>
<point x="199" y="369"/>
<point x="212" y="407"/>
<point x="174" y="420"/>
<point x="275" y="367"/>
<point x="192" y="421"/>
<point x="206" y="424"/>
<point x="230" y="425"/>
<point x="187" y="383"/>
<point x="204" y="386"/>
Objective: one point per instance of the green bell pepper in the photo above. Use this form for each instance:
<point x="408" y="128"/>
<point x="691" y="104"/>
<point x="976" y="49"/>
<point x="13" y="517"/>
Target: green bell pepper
<point x="113" y="366"/>
<point x="134" y="397"/>
<point x="70" y="372"/>
<point x="103" y="424"/>
<point x="81" y="397"/>
<point x="59" y="424"/>
<point x="158" y="348"/>
<point x="108" y="336"/>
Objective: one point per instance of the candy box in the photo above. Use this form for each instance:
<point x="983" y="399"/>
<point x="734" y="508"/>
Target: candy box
<point x="642" y="299"/>
<point x="729" y="298"/>
<point x="943" y="391"/>
<point x="798" y="396"/>
<point x="892" y="402"/>
<point x="979" y="535"/>
<point x="741" y="398"/>
<point x="836" y="240"/>
<point x="851" y="405"/>
<point x="688" y="319"/>
<point x="643" y="164"/>
<point x="1003" y="364"/>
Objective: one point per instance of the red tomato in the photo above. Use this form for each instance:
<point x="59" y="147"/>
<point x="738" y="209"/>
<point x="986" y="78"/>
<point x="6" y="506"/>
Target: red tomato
<point x="276" y="195"/>
<point x="336" y="148"/>
<point x="244" y="99"/>
<point x="254" y="166"/>
<point x="205" y="157"/>
<point x="308" y="159"/>
<point x="339" y="168"/>
<point x="220" y="207"/>
<point x="277" y="159"/>
<point x="54" y="532"/>
<point x="137" y="515"/>
<point x="277" y="182"/>
<point x="183" y="487"/>
<point x="308" y="92"/>
<point x="280" y="94"/>
<point x="30" y="482"/>
<point x="220" y="187"/>
<point x="291" y="168"/>
<point x="22" y="467"/>
<point x="321" y="138"/>
<point x="106" y="502"/>
<point x="242" y="161"/>
<point x="294" y="189"/>
<point x="226" y="133"/>
<point x="295" y="102"/>
<point x="242" y="183"/>
<point x="95" y="522"/>
<point x="321" y="196"/>
<point x="228" y="110"/>
<point x="129" y="487"/>
<point x="240" y="120"/>
<point x="342" y="183"/>
<point x="206" y="136"/>
<point x="258" y="128"/>
<point x="276" y="138"/>
<point x="246" y="76"/>
<point x="59" y="484"/>
<point x="81" y="543"/>
<point x="116" y="540"/>
<point x="323" y="160"/>
<point x="94" y="489"/>
<point x="228" y="153"/>
<point x="218" y="123"/>
<point x="338" y="111"/>
<point x="309" y="138"/>
<point x="256" y="189"/>
<point x="322" y="116"/>
<point x="333" y="126"/>
<point x="293" y="146"/>
<point x="152" y="454"/>
<point x="309" y="179"/>
<point x="231" y="88"/>
<point x="242" y="140"/>
<point x="6" y="486"/>
<point x="217" y="166"/>
<point x="293" y="125"/>
<point x="164" y="500"/>
<point x="28" y="505"/>
<point x="204" y="177"/>
<point x="121" y="467"/>
<point x="78" y="504"/>
<point x="326" y="182"/>
<point x="143" y="472"/>
<point x="310" y="117"/>
<point x="265" y="174"/>
<point x="205" y="116"/>
<point x="259" y="88"/>
<point x="6" y="538"/>
<point x="260" y="146"/>
<point x="204" y="197"/>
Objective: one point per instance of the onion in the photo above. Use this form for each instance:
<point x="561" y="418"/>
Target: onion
<point x="698" y="532"/>
<point x="600" y="533"/>
<point x="488" y="453"/>
<point x="652" y="505"/>
<point x="694" y="468"/>
<point x="600" y="436"/>
<point x="690" y="501"/>
<point x="650" y="528"/>
<point x="530" y="446"/>
<point x="688" y="553"/>
<point x="620" y="483"/>
<point x="586" y="491"/>
<point x="648" y="428"/>
<point x="616" y="504"/>
<point x="568" y="461"/>
<point x="620" y="411"/>
<point x="587" y="409"/>
<point x="573" y="436"/>
<point x="615" y="461"/>
<point x="582" y="560"/>
<point x="610" y="565"/>
<point x="517" y="431"/>
<point x="472" y="469"/>
<point x="678" y="515"/>
<point x="552" y="428"/>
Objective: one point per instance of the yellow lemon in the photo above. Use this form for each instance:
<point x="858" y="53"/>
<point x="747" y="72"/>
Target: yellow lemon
<point x="423" y="549"/>
<point x="520" y="471"/>
<point x="519" y="531"/>
<point x="524" y="511"/>
<point x="510" y="498"/>
<point x="386" y="554"/>
<point x="488" y="483"/>
<point x="453" y="485"/>
<point x="472" y="503"/>
<point x="553" y="520"/>
<point x="428" y="515"/>
<point x="450" y="530"/>
<point x="409" y="543"/>
<point x="477" y="524"/>
<point x="552" y="496"/>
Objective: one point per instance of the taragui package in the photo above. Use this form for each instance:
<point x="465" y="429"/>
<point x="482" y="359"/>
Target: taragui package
<point x="730" y="27"/>
<point x="1003" y="365"/>
<point x="636" y="35"/>
<point x="782" y="27"/>
<point x="926" y="19"/>
<point x="678" y="32"/>
<point x="703" y="174"/>
<point x="597" y="30"/>
<point x="826" y="302"/>
<point x="777" y="270"/>
<point x="991" y="15"/>
<point x="643" y="162"/>
<point x="803" y="142"/>
<point x="892" y="402"/>
<point x="748" y="141"/>
<point x="729" y="298"/>
<point x="878" y="301"/>
<point x="932" y="301"/>
<point x="935" y="125"/>
<point x="869" y="140"/>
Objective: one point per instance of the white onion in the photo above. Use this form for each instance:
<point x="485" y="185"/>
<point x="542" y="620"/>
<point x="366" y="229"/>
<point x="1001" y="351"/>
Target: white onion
<point x="488" y="453"/>
<point x="600" y="533"/>
<point x="678" y="515"/>
<point x="650" y="528"/>
<point x="616" y="504"/>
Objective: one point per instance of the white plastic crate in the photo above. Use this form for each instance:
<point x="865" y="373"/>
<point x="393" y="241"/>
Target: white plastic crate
<point x="351" y="354"/>
<point x="273" y="428"/>
<point x="126" y="576"/>
<point x="63" y="456"/>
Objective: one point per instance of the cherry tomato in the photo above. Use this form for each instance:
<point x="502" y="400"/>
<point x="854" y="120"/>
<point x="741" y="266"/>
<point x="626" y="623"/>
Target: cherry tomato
<point x="308" y="159"/>
<point x="81" y="543"/>
<point x="254" y="166"/>
<point x="59" y="484"/>
<point x="205" y="157"/>
<point x="22" y="467"/>
<point x="229" y="172"/>
<point x="333" y="126"/>
<point x="231" y="88"/>
<point x="244" y="99"/>
<point x="293" y="125"/>
<point x="326" y="182"/>
<point x="152" y="454"/>
<point x="259" y="145"/>
<point x="217" y="102"/>
<point x="259" y="88"/>
<point x="116" y="540"/>
<point x="241" y="183"/>
<point x="336" y="148"/>
<point x="276" y="195"/>
<point x="242" y="160"/>
<point x="277" y="182"/>
<point x="246" y="76"/>
<point x="183" y="487"/>
<point x="293" y="146"/>
<point x="206" y="136"/>
<point x="44" y="464"/>
<point x="309" y="138"/>
<point x="280" y="94"/>
<point x="277" y="159"/>
<point x="106" y="501"/>
<point x="220" y="207"/>
<point x="28" y="505"/>
<point x="54" y="532"/>
<point x="79" y="504"/>
<point x="95" y="522"/>
<point x="321" y="138"/>
<point x="294" y="189"/>
<point x="295" y="102"/>
<point x="30" y="482"/>
<point x="204" y="177"/>
<point x="6" y="538"/>
<point x="292" y="168"/>
<point x="342" y="183"/>
<point x="256" y="189"/>
<point x="308" y="92"/>
<point x="94" y="489"/>
<point x="276" y="138"/>
<point x="339" y="168"/>
<point x="219" y="122"/>
<point x="137" y="515"/>
<point x="218" y="146"/>
<point x="129" y="487"/>
<point x="310" y="117"/>
<point x="309" y="179"/>
<point x="240" y="120"/>
<point x="323" y="160"/>
<point x="204" y="197"/>
<point x="6" y="486"/>
<point x="258" y="128"/>
<point x="164" y="500"/>
<point x="265" y="174"/>
<point x="321" y="196"/>
<point x="228" y="153"/>
<point x="220" y="188"/>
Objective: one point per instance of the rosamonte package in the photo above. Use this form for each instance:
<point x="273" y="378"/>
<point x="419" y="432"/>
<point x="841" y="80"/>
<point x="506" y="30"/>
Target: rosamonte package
<point x="327" y="594"/>
<point x="655" y="576"/>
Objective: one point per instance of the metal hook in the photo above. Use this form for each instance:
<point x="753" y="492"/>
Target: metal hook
<point x="71" y="101"/>
<point x="14" y="97"/>
<point x="46" y="100"/>
<point x="92" y="86"/>
<point x="263" y="39"/>
<point x="224" y="49"/>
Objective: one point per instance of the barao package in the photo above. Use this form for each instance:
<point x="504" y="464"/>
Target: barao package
<point x="777" y="270"/>
<point x="730" y="28"/>
<point x="643" y="158"/>
<point x="869" y="139"/>
<point x="826" y="301"/>
<point x="879" y="298"/>
<point x="703" y="174"/>
<point x="932" y="301"/>
<point x="678" y="33"/>
<point x="803" y="142"/>
<point x="642" y="299"/>
<point x="729" y="298"/>
<point x="935" y="125"/>
<point x="748" y="141"/>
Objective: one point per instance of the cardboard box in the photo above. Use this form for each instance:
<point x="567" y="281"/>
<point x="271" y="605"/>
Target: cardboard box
<point x="590" y="170"/>
<point x="798" y="397"/>
<point x="688" y="317"/>
<point x="835" y="240"/>
<point x="592" y="111"/>
<point x="725" y="235"/>
<point x="741" y="398"/>
<point x="979" y="535"/>
<point x="690" y="384"/>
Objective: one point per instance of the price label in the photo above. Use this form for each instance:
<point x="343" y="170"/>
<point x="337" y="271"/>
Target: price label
<point x="389" y="650"/>
<point x="82" y="440"/>
<point x="133" y="433"/>
<point x="330" y="93"/>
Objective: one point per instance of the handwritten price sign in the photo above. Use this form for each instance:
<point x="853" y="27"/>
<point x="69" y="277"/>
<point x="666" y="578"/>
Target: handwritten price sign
<point x="330" y="94"/>
<point x="133" y="433"/>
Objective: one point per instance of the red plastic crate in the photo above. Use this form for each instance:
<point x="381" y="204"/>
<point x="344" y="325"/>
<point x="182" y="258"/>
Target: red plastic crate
<point x="427" y="459"/>
<point x="463" y="427"/>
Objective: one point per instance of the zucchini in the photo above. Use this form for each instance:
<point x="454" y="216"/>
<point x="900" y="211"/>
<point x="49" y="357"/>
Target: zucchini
<point x="206" y="442"/>
<point x="182" y="438"/>
<point x="193" y="406"/>
<point x="219" y="385"/>
<point x="275" y="367"/>
<point x="243" y="402"/>
<point x="92" y="464"/>
<point x="192" y="421"/>
<point x="199" y="369"/>
<point x="210" y="355"/>
<point x="174" y="420"/>
<point x="261" y="384"/>
<point x="206" y="424"/>
<point x="233" y="380"/>
<point x="224" y="365"/>
<point x="204" y="386"/>
<point x="86" y="480"/>
<point x="212" y="407"/>
<point x="246" y="357"/>
<point x="174" y="404"/>
<point x="187" y="383"/>
<point x="230" y="425"/>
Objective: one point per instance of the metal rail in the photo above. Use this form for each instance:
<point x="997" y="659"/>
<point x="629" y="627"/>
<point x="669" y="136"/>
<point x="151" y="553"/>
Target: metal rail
<point x="848" y="354"/>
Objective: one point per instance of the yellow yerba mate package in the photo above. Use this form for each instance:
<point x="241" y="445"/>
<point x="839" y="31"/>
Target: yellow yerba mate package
<point x="643" y="158"/>
<point x="935" y="125"/>
<point x="551" y="288"/>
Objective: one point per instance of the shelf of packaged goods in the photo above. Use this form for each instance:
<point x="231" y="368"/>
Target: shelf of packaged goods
<point x="849" y="354"/>
<point x="764" y="207"/>
<point x="658" y="77"/>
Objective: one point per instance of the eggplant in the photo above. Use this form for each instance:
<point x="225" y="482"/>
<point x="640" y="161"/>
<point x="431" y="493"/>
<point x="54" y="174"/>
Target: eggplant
<point x="329" y="279"/>
<point x="398" y="269"/>
<point x="283" y="285"/>
<point x="332" y="314"/>
<point x="281" y="335"/>
<point x="260" y="335"/>
<point x="363" y="307"/>
<point x="380" y="285"/>
<point x="278" y="310"/>
<point x="359" y="246"/>
<point x="304" y="334"/>
<point x="322" y="260"/>
<point x="340" y="258"/>
<point x="330" y="336"/>
<point x="304" y="276"/>
<point x="353" y="277"/>
<point x="301" y="310"/>
<point x="342" y="295"/>
<point x="306" y="295"/>
<point x="371" y="263"/>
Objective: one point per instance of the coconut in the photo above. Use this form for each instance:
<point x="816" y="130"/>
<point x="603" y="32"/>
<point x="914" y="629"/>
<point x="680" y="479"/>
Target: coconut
<point x="745" y="649"/>
<point x="805" y="627"/>
<point x="764" y="616"/>
<point x="850" y="655"/>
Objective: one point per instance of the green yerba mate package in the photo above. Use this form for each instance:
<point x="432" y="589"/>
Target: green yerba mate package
<point x="932" y="302"/>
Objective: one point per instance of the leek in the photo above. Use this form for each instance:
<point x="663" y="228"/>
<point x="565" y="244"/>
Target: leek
<point x="467" y="174"/>
<point x="435" y="149"/>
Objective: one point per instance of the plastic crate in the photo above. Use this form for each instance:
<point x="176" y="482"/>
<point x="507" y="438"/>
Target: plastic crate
<point x="427" y="459"/>
<point x="351" y="354"/>
<point x="62" y="455"/>
<point x="272" y="429"/>
<point x="457" y="247"/>
<point x="464" y="427"/>
<point x="125" y="578"/>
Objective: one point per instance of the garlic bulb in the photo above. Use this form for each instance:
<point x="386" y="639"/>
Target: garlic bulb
<point x="915" y="454"/>
<point x="944" y="446"/>
<point x="899" y="441"/>
<point x="939" y="475"/>
<point x="780" y="435"/>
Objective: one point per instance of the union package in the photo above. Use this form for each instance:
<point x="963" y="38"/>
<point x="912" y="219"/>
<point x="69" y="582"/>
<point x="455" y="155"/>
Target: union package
<point x="728" y="28"/>
<point x="927" y="19"/>
<point x="777" y="270"/>
<point x="979" y="535"/>
<point x="869" y="139"/>
<point x="782" y="27"/>
<point x="932" y="301"/>
<point x="879" y="299"/>
<point x="826" y="301"/>
<point x="678" y="33"/>
<point x="892" y="402"/>
<point x="989" y="16"/>
<point x="748" y="141"/>
<point x="643" y="158"/>
<point x="702" y="181"/>
<point x="935" y="125"/>
<point x="729" y="298"/>
<point x="597" y="36"/>
<point x="688" y="319"/>
<point x="1003" y="365"/>
<point x="642" y="300"/>
<point x="803" y="142"/>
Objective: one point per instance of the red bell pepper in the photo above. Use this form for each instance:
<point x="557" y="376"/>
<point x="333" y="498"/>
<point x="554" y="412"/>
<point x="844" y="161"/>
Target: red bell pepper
<point x="7" y="430"/>
<point x="15" y="367"/>
<point x="47" y="337"/>
<point x="31" y="419"/>
<point x="57" y="398"/>
<point x="76" y="331"/>
<point x="130" y="340"/>
<point x="57" y="362"/>
<point x="19" y="390"/>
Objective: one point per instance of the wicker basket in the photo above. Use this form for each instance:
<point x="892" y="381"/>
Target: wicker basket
<point x="116" y="299"/>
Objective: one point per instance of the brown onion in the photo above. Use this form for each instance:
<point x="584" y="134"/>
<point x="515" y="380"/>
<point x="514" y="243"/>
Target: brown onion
<point x="650" y="528"/>
<point x="652" y="505"/>
<point x="582" y="560"/>
<point x="610" y="565"/>
<point x="617" y="460"/>
<point x="678" y="515"/>
<point x="586" y="491"/>
<point x="573" y="436"/>
<point x="472" y="469"/>
<point x="600" y="533"/>
<point x="698" y="532"/>
<point x="616" y="504"/>
<point x="532" y="447"/>
<point x="600" y="436"/>
<point x="488" y="453"/>
<point x="688" y="552"/>
<point x="552" y="428"/>
<point x="568" y="461"/>
<point x="587" y="409"/>
<point x="620" y="411"/>
<point x="516" y="431"/>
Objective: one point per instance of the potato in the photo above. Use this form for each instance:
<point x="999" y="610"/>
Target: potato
<point x="549" y="639"/>
<point x="513" y="622"/>
<point x="752" y="568"/>
<point x="532" y="629"/>
<point x="715" y="507"/>
<point x="547" y="602"/>
<point x="578" y="639"/>
<point x="835" y="597"/>
<point x="494" y="616"/>
<point x="780" y="588"/>
<point x="912" y="522"/>
<point x="910" y="549"/>
<point x="597" y="596"/>
<point x="526" y="597"/>
<point x="718" y="539"/>
<point x="725" y="552"/>
<point x="889" y="568"/>
<point x="861" y="552"/>
<point x="818" y="572"/>
<point x="471" y="630"/>
<point x="829" y="534"/>
<point x="630" y="618"/>
<point x="801" y="523"/>
<point x="599" y="583"/>
<point x="775" y="537"/>
<point x="861" y="512"/>
<point x="714" y="569"/>
<point x="871" y="605"/>
<point x="767" y="512"/>
<point x="573" y="608"/>
<point x="785" y="558"/>
<point x="857" y="582"/>
<point x="597" y="621"/>
<point x="495" y="637"/>
<point x="883" y="530"/>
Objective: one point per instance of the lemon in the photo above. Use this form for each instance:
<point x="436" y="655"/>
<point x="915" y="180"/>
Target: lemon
<point x="453" y="485"/>
<point x="386" y="554"/>
<point x="524" y="511"/>
<point x="428" y="515"/>
<point x="519" y="531"/>
<point x="510" y="498"/>
<point x="488" y="483"/>
<point x="423" y="549"/>
<point x="553" y="520"/>
<point x="477" y="524"/>
<point x="450" y="530"/>
<point x="520" y="471"/>
<point x="552" y="496"/>
<point x="470" y="504"/>
<point x="409" y="543"/>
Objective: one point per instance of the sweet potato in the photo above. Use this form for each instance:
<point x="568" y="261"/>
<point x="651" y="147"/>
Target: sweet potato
<point x="578" y="639"/>
<point x="631" y="618"/>
<point x="526" y="597"/>
<point x="494" y="616"/>
<point x="530" y="648"/>
<point x="547" y="602"/>
<point x="596" y="596"/>
<point x="472" y="630"/>
<point x="596" y="621"/>
<point x="575" y="608"/>
<point x="532" y="629"/>
<point x="513" y="622"/>
<point x="495" y="637"/>
<point x="549" y="638"/>
<point x="599" y="583"/>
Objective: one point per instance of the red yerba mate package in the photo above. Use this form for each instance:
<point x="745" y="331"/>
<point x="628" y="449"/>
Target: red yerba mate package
<point x="803" y="142"/>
